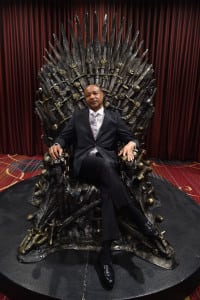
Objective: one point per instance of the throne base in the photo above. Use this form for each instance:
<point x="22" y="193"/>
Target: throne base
<point x="70" y="274"/>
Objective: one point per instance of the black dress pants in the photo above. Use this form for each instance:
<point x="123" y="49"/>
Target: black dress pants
<point x="104" y="175"/>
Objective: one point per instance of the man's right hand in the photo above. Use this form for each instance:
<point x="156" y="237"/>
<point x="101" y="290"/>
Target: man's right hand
<point x="55" y="151"/>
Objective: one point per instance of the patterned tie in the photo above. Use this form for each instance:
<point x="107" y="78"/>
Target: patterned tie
<point x="94" y="124"/>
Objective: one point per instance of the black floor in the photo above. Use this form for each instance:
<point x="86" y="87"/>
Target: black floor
<point x="71" y="274"/>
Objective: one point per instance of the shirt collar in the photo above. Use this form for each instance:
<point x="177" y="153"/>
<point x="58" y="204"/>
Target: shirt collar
<point x="99" y="111"/>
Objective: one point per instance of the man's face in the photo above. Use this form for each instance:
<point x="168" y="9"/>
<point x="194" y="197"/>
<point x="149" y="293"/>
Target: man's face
<point x="94" y="97"/>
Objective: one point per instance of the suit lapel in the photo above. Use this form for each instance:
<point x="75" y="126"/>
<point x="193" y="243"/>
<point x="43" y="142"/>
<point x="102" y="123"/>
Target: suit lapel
<point x="86" y="122"/>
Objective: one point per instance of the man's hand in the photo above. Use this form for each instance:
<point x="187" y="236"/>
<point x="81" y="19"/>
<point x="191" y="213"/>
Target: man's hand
<point x="128" y="151"/>
<point x="55" y="151"/>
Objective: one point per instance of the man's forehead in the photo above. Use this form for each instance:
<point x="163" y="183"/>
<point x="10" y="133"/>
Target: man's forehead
<point x="91" y="88"/>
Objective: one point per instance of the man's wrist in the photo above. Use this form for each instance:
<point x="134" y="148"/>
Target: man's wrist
<point x="132" y="143"/>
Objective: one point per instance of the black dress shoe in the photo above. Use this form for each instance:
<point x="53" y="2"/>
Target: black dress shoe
<point x="106" y="275"/>
<point x="150" y="230"/>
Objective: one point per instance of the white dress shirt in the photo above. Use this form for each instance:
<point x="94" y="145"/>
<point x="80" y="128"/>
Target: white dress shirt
<point x="96" y="120"/>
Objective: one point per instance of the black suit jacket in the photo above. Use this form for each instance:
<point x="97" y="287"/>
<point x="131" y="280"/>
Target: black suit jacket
<point x="78" y="132"/>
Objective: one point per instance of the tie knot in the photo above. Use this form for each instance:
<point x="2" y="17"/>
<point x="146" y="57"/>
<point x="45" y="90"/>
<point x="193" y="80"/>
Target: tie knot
<point x="94" y="115"/>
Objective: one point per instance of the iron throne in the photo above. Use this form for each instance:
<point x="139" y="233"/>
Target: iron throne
<point x="68" y="214"/>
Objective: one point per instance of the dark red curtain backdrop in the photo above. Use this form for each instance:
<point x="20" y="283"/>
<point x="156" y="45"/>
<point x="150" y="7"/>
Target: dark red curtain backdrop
<point x="170" y="31"/>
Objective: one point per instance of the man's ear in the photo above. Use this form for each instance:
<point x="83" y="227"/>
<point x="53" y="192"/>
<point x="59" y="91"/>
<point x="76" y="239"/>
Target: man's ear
<point x="102" y="92"/>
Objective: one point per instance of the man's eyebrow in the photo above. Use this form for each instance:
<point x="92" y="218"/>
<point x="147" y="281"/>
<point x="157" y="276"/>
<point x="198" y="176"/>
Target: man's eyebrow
<point x="94" y="91"/>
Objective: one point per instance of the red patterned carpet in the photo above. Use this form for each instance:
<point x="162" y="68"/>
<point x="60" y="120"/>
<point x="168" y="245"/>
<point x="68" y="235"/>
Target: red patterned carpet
<point x="185" y="176"/>
<point x="15" y="168"/>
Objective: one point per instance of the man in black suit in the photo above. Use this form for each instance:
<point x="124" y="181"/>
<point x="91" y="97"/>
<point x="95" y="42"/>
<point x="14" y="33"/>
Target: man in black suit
<point x="94" y="133"/>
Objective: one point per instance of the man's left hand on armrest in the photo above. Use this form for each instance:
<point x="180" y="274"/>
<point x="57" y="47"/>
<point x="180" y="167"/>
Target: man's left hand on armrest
<point x="127" y="152"/>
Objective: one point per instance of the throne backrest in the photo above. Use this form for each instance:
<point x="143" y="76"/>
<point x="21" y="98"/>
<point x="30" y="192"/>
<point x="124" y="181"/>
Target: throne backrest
<point x="108" y="61"/>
